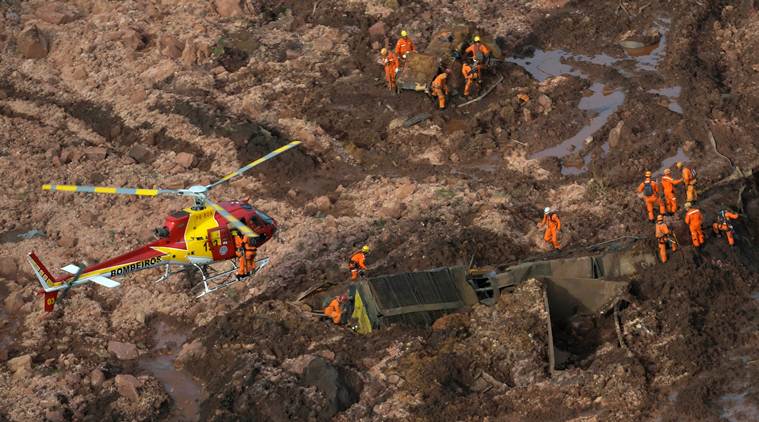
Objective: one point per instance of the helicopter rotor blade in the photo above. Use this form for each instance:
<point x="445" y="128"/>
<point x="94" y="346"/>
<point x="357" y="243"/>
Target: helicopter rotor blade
<point x="231" y="219"/>
<point x="249" y="166"/>
<point x="109" y="190"/>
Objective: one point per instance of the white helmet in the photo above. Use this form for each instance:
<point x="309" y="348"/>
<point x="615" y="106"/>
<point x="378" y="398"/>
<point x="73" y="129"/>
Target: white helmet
<point x="546" y="210"/>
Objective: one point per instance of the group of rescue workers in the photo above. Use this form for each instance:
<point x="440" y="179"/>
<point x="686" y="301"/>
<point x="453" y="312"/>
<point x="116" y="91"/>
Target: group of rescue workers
<point x="477" y="56"/>
<point x="652" y="197"/>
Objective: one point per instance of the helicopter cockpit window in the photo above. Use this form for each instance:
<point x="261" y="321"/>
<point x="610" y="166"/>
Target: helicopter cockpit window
<point x="266" y="218"/>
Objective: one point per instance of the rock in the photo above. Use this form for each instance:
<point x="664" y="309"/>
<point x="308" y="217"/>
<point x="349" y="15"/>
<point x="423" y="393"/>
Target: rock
<point x="228" y="8"/>
<point x="97" y="377"/>
<point x="394" y="211"/>
<point x="323" y="203"/>
<point x="615" y="134"/>
<point x="190" y="351"/>
<point x="123" y="351"/>
<point x="393" y="379"/>
<point x="335" y="384"/>
<point x="323" y="44"/>
<point x="170" y="46"/>
<point x="31" y="43"/>
<point x="127" y="386"/>
<point x="68" y="242"/>
<point x="57" y="13"/>
<point x="526" y="115"/>
<point x="14" y="301"/>
<point x="159" y="73"/>
<point x="190" y="53"/>
<point x="140" y="153"/>
<point x="8" y="267"/>
<point x="545" y="103"/>
<point x="298" y="365"/>
<point x="95" y="153"/>
<point x="392" y="4"/>
<point x="377" y="31"/>
<point x="292" y="193"/>
<point x="21" y="366"/>
<point x="54" y="415"/>
<point x="185" y="159"/>
<point x="138" y="95"/>
<point x="133" y="39"/>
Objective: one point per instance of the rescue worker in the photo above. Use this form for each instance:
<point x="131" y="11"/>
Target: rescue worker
<point x="357" y="262"/>
<point x="478" y="51"/>
<point x="404" y="45"/>
<point x="650" y="191"/>
<point x="246" y="255"/>
<point x="689" y="179"/>
<point x="390" y="60"/>
<point x="335" y="308"/>
<point x="553" y="226"/>
<point x="471" y="73"/>
<point x="663" y="236"/>
<point x="722" y="224"/>
<point x="440" y="88"/>
<point x="694" y="219"/>
<point x="668" y="185"/>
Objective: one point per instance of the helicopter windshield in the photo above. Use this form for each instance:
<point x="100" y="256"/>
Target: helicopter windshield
<point x="263" y="216"/>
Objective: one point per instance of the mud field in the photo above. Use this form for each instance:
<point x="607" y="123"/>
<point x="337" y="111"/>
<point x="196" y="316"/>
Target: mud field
<point x="175" y="93"/>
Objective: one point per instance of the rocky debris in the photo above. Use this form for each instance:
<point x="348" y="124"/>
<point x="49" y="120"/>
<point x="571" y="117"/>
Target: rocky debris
<point x="228" y="8"/>
<point x="159" y="73"/>
<point x="95" y="153"/>
<point x="123" y="351"/>
<point x="323" y="203"/>
<point x="170" y="46"/>
<point x="133" y="39"/>
<point x="8" y="267"/>
<point x="545" y="103"/>
<point x="185" y="159"/>
<point x="616" y="134"/>
<point x="193" y="351"/>
<point x="140" y="153"/>
<point x="57" y="13"/>
<point x="97" y="378"/>
<point x="127" y="386"/>
<point x="14" y="301"/>
<point x="32" y="43"/>
<point x="21" y="366"/>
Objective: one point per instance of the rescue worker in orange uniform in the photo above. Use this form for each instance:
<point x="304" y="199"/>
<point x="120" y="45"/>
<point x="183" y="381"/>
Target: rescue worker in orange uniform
<point x="440" y="88"/>
<point x="722" y="224"/>
<point x="471" y="73"/>
<point x="664" y="236"/>
<point x="650" y="191"/>
<point x="390" y="60"/>
<point x="404" y="45"/>
<point x="478" y="51"/>
<point x="335" y="309"/>
<point x="357" y="262"/>
<point x="553" y="226"/>
<point x="246" y="255"/>
<point x="694" y="219"/>
<point x="668" y="185"/>
<point x="689" y="179"/>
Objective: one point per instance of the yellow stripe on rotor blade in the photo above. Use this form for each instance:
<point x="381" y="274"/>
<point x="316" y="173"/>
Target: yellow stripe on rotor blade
<point x="259" y="161"/>
<point x="105" y="190"/>
<point x="233" y="221"/>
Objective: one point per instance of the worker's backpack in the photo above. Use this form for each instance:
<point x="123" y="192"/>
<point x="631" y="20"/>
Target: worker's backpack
<point x="648" y="190"/>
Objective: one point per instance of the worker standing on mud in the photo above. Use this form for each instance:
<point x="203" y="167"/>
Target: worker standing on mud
<point x="694" y="219"/>
<point x="689" y="179"/>
<point x="440" y="88"/>
<point x="478" y="51"/>
<point x="668" y="185"/>
<point x="650" y="191"/>
<point x="664" y="236"/>
<point x="553" y="225"/>
<point x="246" y="255"/>
<point x="390" y="60"/>
<point x="722" y="224"/>
<point x="404" y="45"/>
<point x="471" y="73"/>
<point x="357" y="262"/>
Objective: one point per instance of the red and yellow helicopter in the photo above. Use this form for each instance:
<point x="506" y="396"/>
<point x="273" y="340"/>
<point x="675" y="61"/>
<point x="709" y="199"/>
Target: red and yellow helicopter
<point x="194" y="237"/>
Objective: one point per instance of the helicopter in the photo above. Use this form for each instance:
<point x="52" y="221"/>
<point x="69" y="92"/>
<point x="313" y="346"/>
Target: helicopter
<point x="193" y="238"/>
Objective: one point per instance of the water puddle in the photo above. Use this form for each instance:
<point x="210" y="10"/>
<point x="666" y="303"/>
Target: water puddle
<point x="673" y="94"/>
<point x="648" y="57"/>
<point x="736" y="408"/>
<point x="19" y="235"/>
<point x="669" y="162"/>
<point x="180" y="385"/>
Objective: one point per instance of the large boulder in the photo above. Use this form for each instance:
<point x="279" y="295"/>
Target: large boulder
<point x="21" y="366"/>
<point x="31" y="43"/>
<point x="123" y="351"/>
<point x="57" y="13"/>
<point x="615" y="135"/>
<point x="159" y="73"/>
<point x="194" y="351"/>
<point x="127" y="386"/>
<point x="228" y="8"/>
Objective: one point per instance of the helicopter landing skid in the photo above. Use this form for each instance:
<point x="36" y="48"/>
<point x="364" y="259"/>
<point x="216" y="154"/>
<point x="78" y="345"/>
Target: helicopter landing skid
<point x="216" y="280"/>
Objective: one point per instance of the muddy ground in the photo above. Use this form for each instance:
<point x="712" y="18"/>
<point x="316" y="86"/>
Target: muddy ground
<point x="119" y="93"/>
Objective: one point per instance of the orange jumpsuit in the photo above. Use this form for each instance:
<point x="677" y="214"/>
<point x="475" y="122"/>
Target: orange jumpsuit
<point x="670" y="200"/>
<point x="723" y="225"/>
<point x="694" y="218"/>
<point x="391" y="69"/>
<point x="663" y="234"/>
<point x="553" y="225"/>
<point x="334" y="310"/>
<point x="476" y="48"/>
<point x="403" y="46"/>
<point x="689" y="179"/>
<point x="246" y="254"/>
<point x="471" y="75"/>
<point x="356" y="264"/>
<point x="652" y="199"/>
<point x="440" y="89"/>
